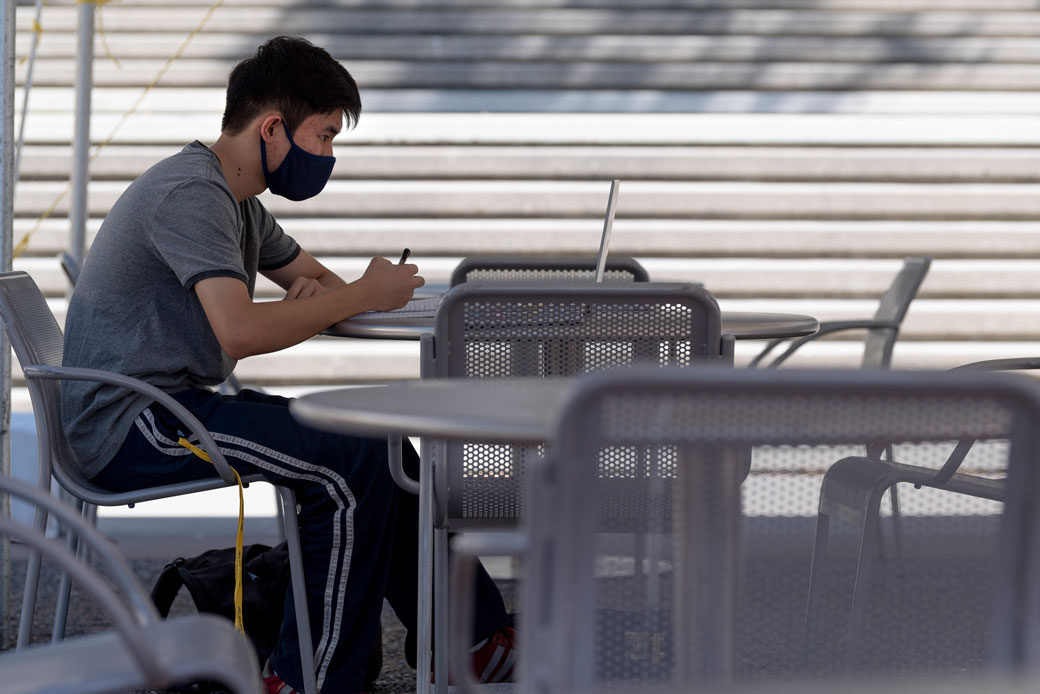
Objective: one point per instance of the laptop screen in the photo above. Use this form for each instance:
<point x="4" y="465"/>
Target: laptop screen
<point x="608" y="224"/>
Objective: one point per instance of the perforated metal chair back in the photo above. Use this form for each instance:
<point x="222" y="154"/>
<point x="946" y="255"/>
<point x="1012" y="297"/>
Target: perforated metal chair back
<point x="716" y="592"/>
<point x="880" y="342"/>
<point x="489" y="268"/>
<point x="504" y="330"/>
<point x="882" y="330"/>
<point x="37" y="340"/>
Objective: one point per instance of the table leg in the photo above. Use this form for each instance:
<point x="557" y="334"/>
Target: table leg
<point x="440" y="602"/>
<point x="427" y="453"/>
<point x="425" y="607"/>
<point x="707" y="526"/>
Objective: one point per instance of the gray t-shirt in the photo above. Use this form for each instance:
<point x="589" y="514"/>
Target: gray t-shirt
<point x="134" y="310"/>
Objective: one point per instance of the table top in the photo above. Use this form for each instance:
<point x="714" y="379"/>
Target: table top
<point x="524" y="410"/>
<point x="742" y="325"/>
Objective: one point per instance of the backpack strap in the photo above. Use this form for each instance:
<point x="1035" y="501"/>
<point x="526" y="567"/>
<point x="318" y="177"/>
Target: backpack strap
<point x="166" y="587"/>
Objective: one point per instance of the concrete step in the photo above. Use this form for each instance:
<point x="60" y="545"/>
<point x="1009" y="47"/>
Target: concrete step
<point x="210" y="100"/>
<point x="545" y="74"/>
<point x="786" y="280"/>
<point x="910" y="164"/>
<point x="350" y="47"/>
<point x="929" y="320"/>
<point x="457" y="237"/>
<point x="755" y="21"/>
<point x="821" y="5"/>
<point x="616" y="129"/>
<point x="663" y="200"/>
<point x="380" y="361"/>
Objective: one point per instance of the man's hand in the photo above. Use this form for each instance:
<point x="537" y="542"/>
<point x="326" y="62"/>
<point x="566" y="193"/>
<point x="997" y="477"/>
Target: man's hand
<point x="390" y="286"/>
<point x="303" y="287"/>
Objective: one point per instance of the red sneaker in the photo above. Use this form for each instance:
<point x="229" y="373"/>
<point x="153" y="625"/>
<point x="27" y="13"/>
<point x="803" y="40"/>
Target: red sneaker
<point x="276" y="685"/>
<point x="494" y="660"/>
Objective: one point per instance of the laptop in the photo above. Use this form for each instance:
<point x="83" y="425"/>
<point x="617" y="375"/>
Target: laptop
<point x="608" y="225"/>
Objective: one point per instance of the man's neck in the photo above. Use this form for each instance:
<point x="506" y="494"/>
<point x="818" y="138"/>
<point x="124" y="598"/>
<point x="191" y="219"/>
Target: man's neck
<point x="239" y="157"/>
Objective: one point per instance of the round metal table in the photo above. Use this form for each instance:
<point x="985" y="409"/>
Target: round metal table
<point x="525" y="410"/>
<point x="742" y="325"/>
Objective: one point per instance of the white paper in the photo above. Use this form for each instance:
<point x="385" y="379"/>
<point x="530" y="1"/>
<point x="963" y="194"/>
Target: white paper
<point x="416" y="308"/>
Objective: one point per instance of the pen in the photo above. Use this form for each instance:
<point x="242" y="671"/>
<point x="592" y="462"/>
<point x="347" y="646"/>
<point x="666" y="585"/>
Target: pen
<point x="404" y="256"/>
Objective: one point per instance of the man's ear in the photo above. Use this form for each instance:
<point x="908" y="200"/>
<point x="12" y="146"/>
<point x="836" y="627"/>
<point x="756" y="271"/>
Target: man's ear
<point x="270" y="126"/>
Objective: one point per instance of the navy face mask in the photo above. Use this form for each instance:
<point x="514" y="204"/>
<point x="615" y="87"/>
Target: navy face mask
<point x="301" y="175"/>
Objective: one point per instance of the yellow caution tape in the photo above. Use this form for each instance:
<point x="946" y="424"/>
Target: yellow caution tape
<point x="238" y="537"/>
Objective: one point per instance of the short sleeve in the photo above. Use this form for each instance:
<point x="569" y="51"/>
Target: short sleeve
<point x="277" y="249"/>
<point x="197" y="233"/>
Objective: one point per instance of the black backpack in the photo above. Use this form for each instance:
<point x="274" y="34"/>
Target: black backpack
<point x="210" y="579"/>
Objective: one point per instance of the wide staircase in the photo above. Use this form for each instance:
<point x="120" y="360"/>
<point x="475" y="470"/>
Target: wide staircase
<point x="786" y="153"/>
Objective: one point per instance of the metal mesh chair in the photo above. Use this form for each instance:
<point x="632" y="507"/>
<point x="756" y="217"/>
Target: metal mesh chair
<point x="493" y="268"/>
<point x="499" y="330"/>
<point x="852" y="493"/>
<point x="143" y="650"/>
<point x="699" y="580"/>
<point x="881" y="331"/>
<point x="38" y="344"/>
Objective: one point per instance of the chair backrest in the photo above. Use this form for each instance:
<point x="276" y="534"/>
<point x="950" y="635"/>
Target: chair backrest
<point x="38" y="341"/>
<point x="70" y="266"/>
<point x="128" y="613"/>
<point x="894" y="303"/>
<point x="489" y="268"/>
<point x="151" y="661"/>
<point x="714" y="590"/>
<point x="500" y="330"/>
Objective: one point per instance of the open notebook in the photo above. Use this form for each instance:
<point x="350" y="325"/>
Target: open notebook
<point x="427" y="307"/>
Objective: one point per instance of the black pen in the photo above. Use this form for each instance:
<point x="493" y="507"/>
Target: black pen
<point x="404" y="256"/>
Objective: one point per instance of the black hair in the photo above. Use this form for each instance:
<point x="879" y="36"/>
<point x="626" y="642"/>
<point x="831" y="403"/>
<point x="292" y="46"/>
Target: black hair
<point x="294" y="77"/>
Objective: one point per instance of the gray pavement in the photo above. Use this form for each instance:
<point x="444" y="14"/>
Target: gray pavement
<point x="149" y="549"/>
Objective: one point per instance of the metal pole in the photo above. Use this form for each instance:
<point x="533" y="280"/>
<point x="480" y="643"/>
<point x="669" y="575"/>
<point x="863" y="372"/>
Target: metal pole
<point x="81" y="139"/>
<point x="7" y="135"/>
<point x="26" y="89"/>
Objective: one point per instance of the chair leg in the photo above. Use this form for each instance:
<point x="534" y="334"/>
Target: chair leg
<point x="897" y="522"/>
<point x="61" y="611"/>
<point x="303" y="621"/>
<point x="32" y="568"/>
<point x="440" y="609"/>
<point x="864" y="565"/>
<point x="812" y="607"/>
<point x="279" y="512"/>
<point x="32" y="583"/>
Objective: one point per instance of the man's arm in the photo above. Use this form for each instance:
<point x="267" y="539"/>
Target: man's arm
<point x="245" y="327"/>
<point x="304" y="277"/>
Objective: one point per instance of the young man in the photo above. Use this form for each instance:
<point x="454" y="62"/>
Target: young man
<point x="166" y="296"/>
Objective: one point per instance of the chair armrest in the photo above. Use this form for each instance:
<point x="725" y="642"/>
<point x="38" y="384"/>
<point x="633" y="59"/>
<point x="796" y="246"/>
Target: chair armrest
<point x="466" y="547"/>
<point x="128" y="623"/>
<point x="953" y="463"/>
<point x="1000" y="364"/>
<point x="68" y="373"/>
<point x="395" y="458"/>
<point x="826" y="328"/>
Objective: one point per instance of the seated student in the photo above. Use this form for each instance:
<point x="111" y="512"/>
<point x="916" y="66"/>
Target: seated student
<point x="166" y="296"/>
